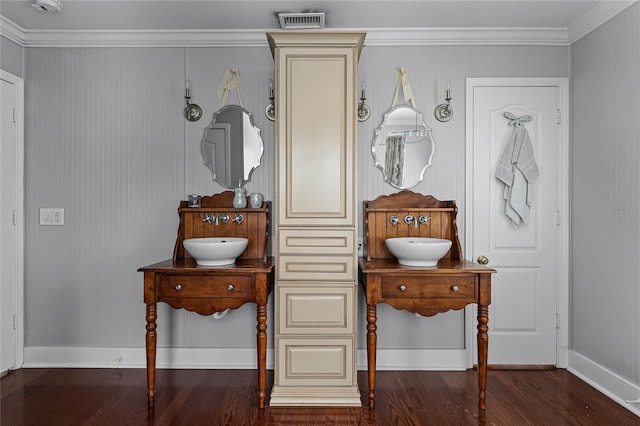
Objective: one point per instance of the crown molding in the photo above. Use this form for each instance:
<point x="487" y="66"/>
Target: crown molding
<point x="466" y="36"/>
<point x="12" y="31"/>
<point x="596" y="16"/>
<point x="604" y="11"/>
<point x="253" y="38"/>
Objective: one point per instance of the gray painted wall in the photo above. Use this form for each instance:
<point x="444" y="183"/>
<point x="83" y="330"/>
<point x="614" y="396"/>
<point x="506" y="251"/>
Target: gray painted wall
<point x="605" y="283"/>
<point x="106" y="141"/>
<point x="11" y="59"/>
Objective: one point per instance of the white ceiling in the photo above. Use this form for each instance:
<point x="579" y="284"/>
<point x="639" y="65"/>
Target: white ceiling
<point x="240" y="21"/>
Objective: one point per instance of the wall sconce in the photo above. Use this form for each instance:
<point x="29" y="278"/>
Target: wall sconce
<point x="444" y="112"/>
<point x="192" y="112"/>
<point x="270" y="110"/>
<point x="363" y="109"/>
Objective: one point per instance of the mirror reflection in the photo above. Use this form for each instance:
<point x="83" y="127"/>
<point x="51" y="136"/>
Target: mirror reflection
<point x="403" y="147"/>
<point x="232" y="146"/>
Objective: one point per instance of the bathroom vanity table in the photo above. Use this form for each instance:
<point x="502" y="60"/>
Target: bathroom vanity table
<point x="452" y="284"/>
<point x="182" y="284"/>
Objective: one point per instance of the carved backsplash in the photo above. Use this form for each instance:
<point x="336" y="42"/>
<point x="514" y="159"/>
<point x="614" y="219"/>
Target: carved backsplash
<point x="378" y="221"/>
<point x="254" y="226"/>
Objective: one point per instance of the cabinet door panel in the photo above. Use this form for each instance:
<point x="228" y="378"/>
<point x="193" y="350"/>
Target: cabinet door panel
<point x="316" y="141"/>
<point x="316" y="310"/>
<point x="315" y="362"/>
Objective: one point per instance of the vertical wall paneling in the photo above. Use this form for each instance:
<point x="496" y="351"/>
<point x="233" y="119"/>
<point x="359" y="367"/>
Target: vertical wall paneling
<point x="606" y="196"/>
<point x="104" y="143"/>
<point x="106" y="140"/>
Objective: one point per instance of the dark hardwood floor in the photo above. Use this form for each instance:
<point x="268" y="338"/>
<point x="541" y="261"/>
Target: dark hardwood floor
<point x="229" y="397"/>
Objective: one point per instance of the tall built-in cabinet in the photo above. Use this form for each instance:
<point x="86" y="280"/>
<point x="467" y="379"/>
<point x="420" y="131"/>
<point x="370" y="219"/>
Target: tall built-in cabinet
<point x="315" y="217"/>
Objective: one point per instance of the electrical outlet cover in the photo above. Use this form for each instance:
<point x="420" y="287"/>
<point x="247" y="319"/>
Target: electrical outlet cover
<point x="51" y="216"/>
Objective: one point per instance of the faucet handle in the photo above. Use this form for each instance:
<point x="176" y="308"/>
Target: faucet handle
<point x="408" y="219"/>
<point x="394" y="219"/>
<point x="423" y="220"/>
<point x="209" y="218"/>
<point x="238" y="219"/>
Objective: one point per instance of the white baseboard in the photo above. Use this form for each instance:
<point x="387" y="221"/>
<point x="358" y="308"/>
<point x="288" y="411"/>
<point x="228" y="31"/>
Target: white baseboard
<point x="416" y="359"/>
<point x="100" y="357"/>
<point x="223" y="358"/>
<point x="607" y="382"/>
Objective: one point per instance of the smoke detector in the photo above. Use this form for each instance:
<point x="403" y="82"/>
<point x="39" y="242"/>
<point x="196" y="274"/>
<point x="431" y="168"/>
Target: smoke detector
<point x="49" y="6"/>
<point x="301" y="21"/>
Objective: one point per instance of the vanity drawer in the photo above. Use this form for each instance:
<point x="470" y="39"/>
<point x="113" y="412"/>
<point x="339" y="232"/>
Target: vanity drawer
<point x="316" y="362"/>
<point x="441" y="287"/>
<point x="316" y="310"/>
<point x="316" y="241"/>
<point x="316" y="268"/>
<point x="206" y="286"/>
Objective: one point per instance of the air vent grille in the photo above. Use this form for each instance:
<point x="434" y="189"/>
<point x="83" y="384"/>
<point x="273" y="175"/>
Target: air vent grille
<point x="299" y="21"/>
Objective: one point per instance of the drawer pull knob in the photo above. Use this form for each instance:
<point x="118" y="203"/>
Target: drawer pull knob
<point x="403" y="287"/>
<point x="178" y="287"/>
<point x="230" y="287"/>
<point x="455" y="288"/>
<point x="483" y="260"/>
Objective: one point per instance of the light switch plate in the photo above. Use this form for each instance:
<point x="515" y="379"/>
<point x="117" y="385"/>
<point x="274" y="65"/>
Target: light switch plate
<point x="51" y="216"/>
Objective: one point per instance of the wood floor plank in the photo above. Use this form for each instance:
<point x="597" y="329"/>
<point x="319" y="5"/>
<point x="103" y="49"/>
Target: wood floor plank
<point x="229" y="397"/>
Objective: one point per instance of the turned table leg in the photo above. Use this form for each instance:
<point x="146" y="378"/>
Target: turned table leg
<point x="483" y="345"/>
<point x="151" y="352"/>
<point x="371" y="352"/>
<point x="262" y="353"/>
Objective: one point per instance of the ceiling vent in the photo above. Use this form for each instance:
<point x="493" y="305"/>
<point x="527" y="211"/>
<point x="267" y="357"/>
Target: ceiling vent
<point x="50" y="6"/>
<point x="301" y="21"/>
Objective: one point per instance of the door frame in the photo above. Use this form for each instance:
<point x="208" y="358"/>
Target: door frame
<point x="562" y="203"/>
<point x="18" y="303"/>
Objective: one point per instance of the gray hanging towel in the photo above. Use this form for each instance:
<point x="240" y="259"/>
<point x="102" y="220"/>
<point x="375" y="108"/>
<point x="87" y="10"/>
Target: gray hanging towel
<point x="394" y="158"/>
<point x="517" y="169"/>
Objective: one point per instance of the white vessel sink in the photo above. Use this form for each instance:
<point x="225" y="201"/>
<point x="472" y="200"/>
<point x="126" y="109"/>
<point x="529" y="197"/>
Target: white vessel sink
<point x="215" y="251"/>
<point x="417" y="251"/>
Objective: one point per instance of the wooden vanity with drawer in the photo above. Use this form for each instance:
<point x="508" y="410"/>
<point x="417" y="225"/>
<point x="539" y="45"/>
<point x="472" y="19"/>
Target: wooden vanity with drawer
<point x="182" y="284"/>
<point x="452" y="284"/>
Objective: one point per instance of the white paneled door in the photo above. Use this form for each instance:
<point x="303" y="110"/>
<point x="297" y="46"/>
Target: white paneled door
<point x="10" y="223"/>
<point x="524" y="312"/>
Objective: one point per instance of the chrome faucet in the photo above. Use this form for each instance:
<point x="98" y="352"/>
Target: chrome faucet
<point x="408" y="219"/>
<point x="238" y="219"/>
<point x="394" y="219"/>
<point x="423" y="220"/>
<point x="215" y="219"/>
<point x="210" y="218"/>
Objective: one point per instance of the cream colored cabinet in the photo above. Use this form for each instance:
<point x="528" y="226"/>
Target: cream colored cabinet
<point x="315" y="217"/>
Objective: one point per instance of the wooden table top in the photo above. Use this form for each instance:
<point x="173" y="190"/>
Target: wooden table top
<point x="445" y="266"/>
<point x="189" y="265"/>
